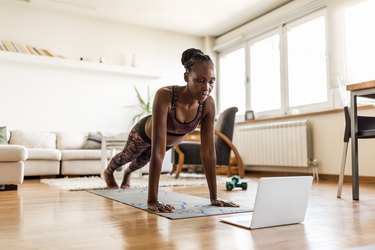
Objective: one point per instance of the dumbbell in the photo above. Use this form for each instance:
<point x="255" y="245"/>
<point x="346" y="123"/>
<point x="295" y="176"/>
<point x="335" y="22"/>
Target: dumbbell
<point x="235" y="182"/>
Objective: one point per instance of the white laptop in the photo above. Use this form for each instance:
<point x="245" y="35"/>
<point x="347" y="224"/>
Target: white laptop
<point x="278" y="201"/>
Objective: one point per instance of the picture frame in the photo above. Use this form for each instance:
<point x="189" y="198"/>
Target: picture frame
<point x="249" y="115"/>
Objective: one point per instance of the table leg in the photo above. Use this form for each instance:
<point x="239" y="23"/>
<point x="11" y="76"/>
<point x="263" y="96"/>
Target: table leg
<point x="353" y="135"/>
<point x="104" y="156"/>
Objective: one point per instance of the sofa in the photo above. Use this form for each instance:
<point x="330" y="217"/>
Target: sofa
<point x="64" y="153"/>
<point x="59" y="153"/>
<point x="12" y="166"/>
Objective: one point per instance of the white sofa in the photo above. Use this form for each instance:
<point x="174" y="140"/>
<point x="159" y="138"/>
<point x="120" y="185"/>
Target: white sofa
<point x="63" y="153"/>
<point x="55" y="153"/>
<point x="75" y="159"/>
<point x="43" y="156"/>
<point x="11" y="166"/>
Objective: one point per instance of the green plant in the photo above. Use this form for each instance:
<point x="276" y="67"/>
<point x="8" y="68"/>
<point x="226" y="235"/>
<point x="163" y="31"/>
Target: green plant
<point x="143" y="105"/>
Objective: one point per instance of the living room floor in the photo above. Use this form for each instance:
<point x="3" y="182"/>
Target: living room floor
<point x="38" y="216"/>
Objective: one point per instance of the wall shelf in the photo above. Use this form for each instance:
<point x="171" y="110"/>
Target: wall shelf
<point x="78" y="65"/>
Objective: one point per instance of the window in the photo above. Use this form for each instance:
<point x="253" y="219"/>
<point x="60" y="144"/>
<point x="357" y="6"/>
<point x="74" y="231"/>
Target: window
<point x="232" y="81"/>
<point x="265" y="74"/>
<point x="360" y="41"/>
<point x="286" y="69"/>
<point x="307" y="69"/>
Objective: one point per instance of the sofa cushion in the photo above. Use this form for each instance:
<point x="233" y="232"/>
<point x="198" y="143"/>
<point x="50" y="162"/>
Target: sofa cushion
<point x="9" y="153"/>
<point x="3" y="135"/>
<point x="80" y="154"/>
<point x="44" y="154"/>
<point x="33" y="139"/>
<point x="94" y="141"/>
<point x="71" y="140"/>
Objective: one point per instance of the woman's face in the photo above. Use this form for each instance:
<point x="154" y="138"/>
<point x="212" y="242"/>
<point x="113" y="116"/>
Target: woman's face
<point x="201" y="79"/>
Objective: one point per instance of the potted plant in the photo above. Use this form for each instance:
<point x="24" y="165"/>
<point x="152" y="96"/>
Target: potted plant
<point x="143" y="105"/>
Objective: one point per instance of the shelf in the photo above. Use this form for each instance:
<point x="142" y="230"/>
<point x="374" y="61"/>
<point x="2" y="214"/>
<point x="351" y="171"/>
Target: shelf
<point x="78" y="65"/>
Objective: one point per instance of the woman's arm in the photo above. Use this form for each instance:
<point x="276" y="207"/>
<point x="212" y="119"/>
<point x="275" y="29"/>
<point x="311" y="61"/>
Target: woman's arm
<point x="158" y="140"/>
<point x="208" y="153"/>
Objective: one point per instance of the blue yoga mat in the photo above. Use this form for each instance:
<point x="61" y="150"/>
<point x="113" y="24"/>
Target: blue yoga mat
<point x="187" y="206"/>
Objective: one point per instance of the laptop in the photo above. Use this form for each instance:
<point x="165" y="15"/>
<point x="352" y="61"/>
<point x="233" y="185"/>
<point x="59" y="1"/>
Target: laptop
<point x="279" y="201"/>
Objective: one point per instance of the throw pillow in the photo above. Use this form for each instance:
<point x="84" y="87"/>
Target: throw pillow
<point x="33" y="139"/>
<point x="3" y="135"/>
<point x="94" y="141"/>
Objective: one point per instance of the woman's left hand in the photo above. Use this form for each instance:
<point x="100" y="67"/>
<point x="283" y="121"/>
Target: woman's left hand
<point x="222" y="203"/>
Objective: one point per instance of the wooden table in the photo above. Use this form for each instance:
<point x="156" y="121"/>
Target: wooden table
<point x="363" y="89"/>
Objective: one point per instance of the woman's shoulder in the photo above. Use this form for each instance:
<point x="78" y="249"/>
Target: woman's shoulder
<point x="209" y="102"/>
<point x="208" y="105"/>
<point x="164" y="94"/>
<point x="167" y="90"/>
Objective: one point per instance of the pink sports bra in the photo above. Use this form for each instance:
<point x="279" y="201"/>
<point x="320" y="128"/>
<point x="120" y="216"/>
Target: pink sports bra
<point x="174" y="127"/>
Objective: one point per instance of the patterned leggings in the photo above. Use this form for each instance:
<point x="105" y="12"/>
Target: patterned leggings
<point x="137" y="149"/>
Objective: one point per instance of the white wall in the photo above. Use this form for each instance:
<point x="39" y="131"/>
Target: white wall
<point x="40" y="97"/>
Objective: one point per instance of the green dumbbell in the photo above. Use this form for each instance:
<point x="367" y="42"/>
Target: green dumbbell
<point x="235" y="182"/>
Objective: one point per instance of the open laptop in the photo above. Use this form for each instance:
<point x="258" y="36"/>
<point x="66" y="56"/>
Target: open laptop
<point x="278" y="201"/>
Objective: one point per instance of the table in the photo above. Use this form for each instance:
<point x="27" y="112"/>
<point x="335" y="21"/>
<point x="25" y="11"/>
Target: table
<point x="363" y="89"/>
<point x="112" y="144"/>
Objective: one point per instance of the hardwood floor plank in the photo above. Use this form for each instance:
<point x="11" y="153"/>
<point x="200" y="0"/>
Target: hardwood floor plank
<point x="37" y="216"/>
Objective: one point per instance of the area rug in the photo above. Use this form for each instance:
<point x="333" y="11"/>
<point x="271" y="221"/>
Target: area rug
<point x="95" y="182"/>
<point x="187" y="206"/>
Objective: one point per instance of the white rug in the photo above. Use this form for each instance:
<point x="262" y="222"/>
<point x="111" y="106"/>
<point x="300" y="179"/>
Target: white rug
<point x="95" y="182"/>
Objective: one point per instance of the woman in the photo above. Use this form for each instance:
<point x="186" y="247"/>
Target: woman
<point x="177" y="111"/>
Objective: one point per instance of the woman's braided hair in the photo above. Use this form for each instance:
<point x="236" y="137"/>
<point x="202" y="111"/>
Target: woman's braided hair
<point x="191" y="56"/>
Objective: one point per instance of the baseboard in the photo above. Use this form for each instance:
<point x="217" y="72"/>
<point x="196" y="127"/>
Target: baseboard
<point x="325" y="177"/>
<point x="8" y="187"/>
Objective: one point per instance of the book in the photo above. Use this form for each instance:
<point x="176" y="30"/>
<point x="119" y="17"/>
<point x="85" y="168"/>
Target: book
<point x="26" y="49"/>
<point x="53" y="54"/>
<point x="30" y="49"/>
<point x="8" y="46"/>
<point x="19" y="47"/>
<point x="47" y="52"/>
<point x="36" y="51"/>
<point x="14" y="45"/>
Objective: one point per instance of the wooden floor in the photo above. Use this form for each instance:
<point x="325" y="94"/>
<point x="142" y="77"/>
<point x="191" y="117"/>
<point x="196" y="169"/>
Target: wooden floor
<point x="38" y="216"/>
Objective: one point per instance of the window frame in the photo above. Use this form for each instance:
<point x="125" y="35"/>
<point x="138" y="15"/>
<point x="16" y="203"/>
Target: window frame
<point x="218" y="85"/>
<point x="314" y="106"/>
<point x="282" y="30"/>
<point x="248" y="91"/>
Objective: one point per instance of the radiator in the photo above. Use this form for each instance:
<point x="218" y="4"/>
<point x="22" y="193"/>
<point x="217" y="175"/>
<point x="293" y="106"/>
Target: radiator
<point x="286" y="144"/>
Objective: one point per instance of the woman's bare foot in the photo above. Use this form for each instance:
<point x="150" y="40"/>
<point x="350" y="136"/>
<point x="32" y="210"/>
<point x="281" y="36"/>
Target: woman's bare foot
<point x="109" y="179"/>
<point x="126" y="181"/>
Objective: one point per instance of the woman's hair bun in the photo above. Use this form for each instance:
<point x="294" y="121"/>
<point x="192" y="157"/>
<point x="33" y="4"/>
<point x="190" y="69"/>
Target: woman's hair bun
<point x="190" y="56"/>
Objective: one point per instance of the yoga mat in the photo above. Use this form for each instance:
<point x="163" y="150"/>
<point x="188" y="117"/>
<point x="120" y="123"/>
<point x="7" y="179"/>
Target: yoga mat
<point x="187" y="206"/>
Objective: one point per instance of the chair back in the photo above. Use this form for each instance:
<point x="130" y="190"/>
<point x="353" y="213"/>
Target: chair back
<point x="224" y="124"/>
<point x="347" y="124"/>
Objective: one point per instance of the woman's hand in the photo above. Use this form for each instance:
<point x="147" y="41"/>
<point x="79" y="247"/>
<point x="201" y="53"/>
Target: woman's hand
<point x="160" y="207"/>
<point x="222" y="203"/>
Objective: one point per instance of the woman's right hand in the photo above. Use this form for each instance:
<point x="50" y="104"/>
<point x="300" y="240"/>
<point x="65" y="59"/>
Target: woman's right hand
<point x="160" y="207"/>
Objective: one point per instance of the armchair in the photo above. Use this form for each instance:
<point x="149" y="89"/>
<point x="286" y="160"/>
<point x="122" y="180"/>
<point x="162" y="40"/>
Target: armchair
<point x="188" y="153"/>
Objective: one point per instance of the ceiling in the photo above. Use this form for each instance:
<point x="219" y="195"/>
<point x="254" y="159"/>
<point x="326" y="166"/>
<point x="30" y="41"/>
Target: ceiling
<point x="194" y="17"/>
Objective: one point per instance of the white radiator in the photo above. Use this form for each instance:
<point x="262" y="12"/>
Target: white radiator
<point x="276" y="144"/>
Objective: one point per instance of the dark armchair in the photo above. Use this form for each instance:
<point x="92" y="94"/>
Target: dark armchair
<point x="188" y="152"/>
